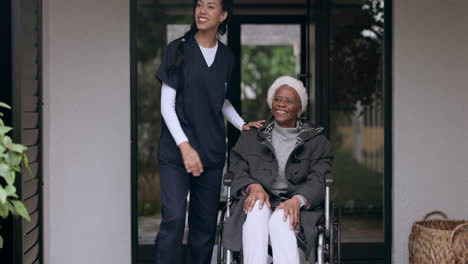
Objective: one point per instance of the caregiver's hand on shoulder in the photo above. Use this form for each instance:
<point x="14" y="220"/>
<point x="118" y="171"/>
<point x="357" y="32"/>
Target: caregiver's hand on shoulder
<point x="257" y="124"/>
<point x="291" y="208"/>
<point x="192" y="161"/>
<point x="256" y="192"/>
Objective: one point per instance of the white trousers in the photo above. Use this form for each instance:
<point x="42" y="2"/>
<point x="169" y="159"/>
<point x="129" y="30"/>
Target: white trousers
<point x="263" y="222"/>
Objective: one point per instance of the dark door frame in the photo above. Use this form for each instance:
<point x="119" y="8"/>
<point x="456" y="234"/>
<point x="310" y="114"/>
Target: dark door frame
<point x="376" y="252"/>
<point x="388" y="128"/>
<point x="133" y="130"/>
<point x="383" y="250"/>
<point x="6" y="253"/>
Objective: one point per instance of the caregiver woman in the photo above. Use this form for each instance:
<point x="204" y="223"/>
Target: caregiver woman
<point x="195" y="73"/>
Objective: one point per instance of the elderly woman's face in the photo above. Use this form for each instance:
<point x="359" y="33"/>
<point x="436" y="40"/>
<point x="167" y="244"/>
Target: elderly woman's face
<point x="286" y="106"/>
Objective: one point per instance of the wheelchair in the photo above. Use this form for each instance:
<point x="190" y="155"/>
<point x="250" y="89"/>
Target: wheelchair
<point x="328" y="244"/>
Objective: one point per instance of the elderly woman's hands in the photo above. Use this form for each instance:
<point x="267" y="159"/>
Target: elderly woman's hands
<point x="257" y="124"/>
<point x="256" y="192"/>
<point x="292" y="209"/>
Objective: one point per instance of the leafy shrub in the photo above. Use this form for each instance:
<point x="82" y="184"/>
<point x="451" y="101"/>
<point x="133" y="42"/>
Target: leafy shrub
<point x="12" y="156"/>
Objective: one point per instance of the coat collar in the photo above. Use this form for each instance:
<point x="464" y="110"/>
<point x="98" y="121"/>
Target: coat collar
<point x="307" y="130"/>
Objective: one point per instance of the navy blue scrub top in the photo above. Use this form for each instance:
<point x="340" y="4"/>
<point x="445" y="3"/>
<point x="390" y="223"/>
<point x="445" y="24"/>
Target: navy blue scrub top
<point x="201" y="91"/>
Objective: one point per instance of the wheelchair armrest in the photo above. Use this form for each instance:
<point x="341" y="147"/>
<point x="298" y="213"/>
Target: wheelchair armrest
<point x="228" y="179"/>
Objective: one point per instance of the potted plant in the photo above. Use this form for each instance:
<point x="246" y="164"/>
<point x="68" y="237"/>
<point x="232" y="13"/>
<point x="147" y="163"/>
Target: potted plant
<point x="12" y="156"/>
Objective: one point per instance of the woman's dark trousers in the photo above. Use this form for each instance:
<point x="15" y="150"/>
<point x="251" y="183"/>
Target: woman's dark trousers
<point x="203" y="210"/>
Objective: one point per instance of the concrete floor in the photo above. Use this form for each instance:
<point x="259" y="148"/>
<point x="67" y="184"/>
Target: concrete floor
<point x="356" y="231"/>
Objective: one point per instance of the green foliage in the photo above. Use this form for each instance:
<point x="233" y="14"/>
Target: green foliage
<point x="12" y="156"/>
<point x="356" y="55"/>
<point x="153" y="19"/>
<point x="357" y="188"/>
<point x="261" y="65"/>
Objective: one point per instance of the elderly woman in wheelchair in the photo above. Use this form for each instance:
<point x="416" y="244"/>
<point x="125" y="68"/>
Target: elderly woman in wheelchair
<point x="278" y="183"/>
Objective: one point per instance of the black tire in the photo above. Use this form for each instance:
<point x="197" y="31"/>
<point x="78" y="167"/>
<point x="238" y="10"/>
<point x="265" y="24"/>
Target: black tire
<point x="221" y="252"/>
<point x="238" y="258"/>
<point x="331" y="238"/>
<point x="335" y="236"/>
<point x="338" y="235"/>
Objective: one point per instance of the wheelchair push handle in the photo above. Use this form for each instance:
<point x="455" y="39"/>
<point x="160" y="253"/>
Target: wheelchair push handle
<point x="329" y="181"/>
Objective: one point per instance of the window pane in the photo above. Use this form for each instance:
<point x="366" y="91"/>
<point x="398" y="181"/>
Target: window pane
<point x="268" y="52"/>
<point x="157" y="25"/>
<point x="357" y="116"/>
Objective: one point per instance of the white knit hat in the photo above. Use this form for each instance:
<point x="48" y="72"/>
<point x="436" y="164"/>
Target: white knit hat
<point x="291" y="82"/>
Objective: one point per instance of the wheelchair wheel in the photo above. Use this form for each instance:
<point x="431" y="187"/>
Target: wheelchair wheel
<point x="338" y="235"/>
<point x="335" y="236"/>
<point x="331" y="242"/>
<point x="221" y="252"/>
<point x="236" y="257"/>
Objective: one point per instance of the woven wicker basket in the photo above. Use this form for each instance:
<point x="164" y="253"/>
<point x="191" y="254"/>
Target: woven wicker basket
<point x="439" y="241"/>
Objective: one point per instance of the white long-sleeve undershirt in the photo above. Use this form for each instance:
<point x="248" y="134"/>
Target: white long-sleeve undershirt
<point x="168" y="112"/>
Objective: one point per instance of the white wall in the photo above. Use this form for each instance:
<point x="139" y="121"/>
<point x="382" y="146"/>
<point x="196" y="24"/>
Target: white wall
<point x="87" y="124"/>
<point x="86" y="132"/>
<point x="430" y="113"/>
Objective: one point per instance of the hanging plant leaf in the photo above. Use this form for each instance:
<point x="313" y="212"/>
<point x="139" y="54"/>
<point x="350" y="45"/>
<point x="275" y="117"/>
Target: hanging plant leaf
<point x="21" y="209"/>
<point x="5" y="105"/>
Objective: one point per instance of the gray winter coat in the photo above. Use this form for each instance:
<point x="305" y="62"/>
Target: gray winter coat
<point x="253" y="161"/>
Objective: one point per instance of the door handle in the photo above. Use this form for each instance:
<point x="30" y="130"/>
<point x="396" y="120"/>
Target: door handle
<point x="303" y="75"/>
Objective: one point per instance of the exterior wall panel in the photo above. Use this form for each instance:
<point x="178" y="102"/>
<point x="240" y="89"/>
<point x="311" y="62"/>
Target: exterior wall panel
<point x="86" y="71"/>
<point x="430" y="114"/>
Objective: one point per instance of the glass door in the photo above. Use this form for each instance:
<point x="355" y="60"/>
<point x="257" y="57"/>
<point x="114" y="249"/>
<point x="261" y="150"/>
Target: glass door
<point x="157" y="24"/>
<point x="336" y="48"/>
<point x="356" y="117"/>
<point x="350" y="104"/>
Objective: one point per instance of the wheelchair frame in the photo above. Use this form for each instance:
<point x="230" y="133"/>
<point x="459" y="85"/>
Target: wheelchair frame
<point x="328" y="249"/>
